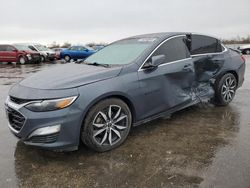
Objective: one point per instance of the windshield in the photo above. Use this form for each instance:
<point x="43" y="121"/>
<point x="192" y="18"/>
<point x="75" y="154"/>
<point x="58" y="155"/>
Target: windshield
<point x="41" y="47"/>
<point x="22" y="47"/>
<point x="121" y="52"/>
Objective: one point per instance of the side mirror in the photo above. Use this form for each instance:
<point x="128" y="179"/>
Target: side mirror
<point x="14" y="50"/>
<point x="155" y="62"/>
<point x="86" y="50"/>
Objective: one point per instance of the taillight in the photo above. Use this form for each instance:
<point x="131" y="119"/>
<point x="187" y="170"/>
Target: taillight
<point x="243" y="58"/>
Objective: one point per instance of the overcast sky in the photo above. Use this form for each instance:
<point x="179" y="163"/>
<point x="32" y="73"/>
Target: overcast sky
<point x="83" y="21"/>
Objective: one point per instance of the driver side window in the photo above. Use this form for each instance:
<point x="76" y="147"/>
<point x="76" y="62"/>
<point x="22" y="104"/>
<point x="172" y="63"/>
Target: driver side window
<point x="73" y="48"/>
<point x="82" y="48"/>
<point x="174" y="49"/>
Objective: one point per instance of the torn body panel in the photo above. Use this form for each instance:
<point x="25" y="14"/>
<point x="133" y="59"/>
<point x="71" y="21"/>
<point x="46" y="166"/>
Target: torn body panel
<point x="181" y="83"/>
<point x="207" y="66"/>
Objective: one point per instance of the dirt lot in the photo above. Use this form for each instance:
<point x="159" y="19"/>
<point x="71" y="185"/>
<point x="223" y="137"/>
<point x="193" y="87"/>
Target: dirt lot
<point x="202" y="146"/>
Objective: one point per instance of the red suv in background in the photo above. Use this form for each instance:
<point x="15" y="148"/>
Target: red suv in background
<point x="18" y="53"/>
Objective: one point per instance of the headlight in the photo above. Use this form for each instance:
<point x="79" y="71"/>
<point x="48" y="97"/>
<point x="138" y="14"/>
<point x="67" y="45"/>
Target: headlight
<point x="29" y="56"/>
<point x="50" y="105"/>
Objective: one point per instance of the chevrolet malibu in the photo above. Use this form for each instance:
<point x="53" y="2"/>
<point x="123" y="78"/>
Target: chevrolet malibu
<point x="127" y="83"/>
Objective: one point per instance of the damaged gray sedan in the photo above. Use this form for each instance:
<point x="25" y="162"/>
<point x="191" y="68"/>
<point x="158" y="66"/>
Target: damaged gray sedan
<point x="125" y="84"/>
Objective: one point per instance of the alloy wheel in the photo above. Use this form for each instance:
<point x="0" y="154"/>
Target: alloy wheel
<point x="109" y="125"/>
<point x="67" y="58"/>
<point x="42" y="58"/>
<point x="228" y="89"/>
<point x="22" y="60"/>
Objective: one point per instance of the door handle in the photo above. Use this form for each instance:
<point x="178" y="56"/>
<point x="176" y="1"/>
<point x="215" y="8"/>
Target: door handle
<point x="187" y="67"/>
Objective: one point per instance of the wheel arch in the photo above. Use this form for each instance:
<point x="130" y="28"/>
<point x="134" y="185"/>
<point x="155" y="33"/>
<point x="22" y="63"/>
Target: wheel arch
<point x="229" y="71"/>
<point x="21" y="55"/>
<point x="67" y="55"/>
<point x="120" y="96"/>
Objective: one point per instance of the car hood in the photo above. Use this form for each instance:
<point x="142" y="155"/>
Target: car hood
<point x="69" y="76"/>
<point x="49" y="52"/>
<point x="245" y="46"/>
<point x="31" y="52"/>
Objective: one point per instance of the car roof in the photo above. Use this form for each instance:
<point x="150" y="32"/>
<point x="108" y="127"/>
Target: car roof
<point x="6" y="45"/>
<point x="165" y="35"/>
<point x="78" y="46"/>
<point x="28" y="43"/>
<point x="159" y="35"/>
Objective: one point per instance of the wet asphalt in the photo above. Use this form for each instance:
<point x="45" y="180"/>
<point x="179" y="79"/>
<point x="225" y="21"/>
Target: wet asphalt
<point x="202" y="146"/>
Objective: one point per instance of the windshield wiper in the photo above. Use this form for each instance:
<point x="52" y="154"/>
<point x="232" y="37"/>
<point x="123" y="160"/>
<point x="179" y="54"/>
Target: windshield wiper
<point x="97" y="64"/>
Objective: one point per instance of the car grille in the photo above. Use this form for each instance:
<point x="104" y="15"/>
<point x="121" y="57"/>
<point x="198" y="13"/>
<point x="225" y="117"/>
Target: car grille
<point x="35" y="56"/>
<point x="16" y="119"/>
<point x="44" y="139"/>
<point x="19" y="101"/>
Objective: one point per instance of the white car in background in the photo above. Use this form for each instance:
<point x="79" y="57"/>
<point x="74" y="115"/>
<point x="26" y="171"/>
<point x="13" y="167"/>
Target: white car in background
<point x="245" y="49"/>
<point x="45" y="53"/>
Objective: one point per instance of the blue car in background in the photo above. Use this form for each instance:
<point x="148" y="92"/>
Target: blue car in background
<point x="77" y="52"/>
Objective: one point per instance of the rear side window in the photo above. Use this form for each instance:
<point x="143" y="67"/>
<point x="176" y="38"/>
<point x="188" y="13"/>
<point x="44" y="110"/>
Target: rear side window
<point x="174" y="49"/>
<point x="204" y="44"/>
<point x="10" y="48"/>
<point x="3" y="48"/>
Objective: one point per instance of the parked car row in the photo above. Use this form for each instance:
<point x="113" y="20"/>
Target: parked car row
<point x="18" y="53"/>
<point x="35" y="53"/>
<point x="26" y="53"/>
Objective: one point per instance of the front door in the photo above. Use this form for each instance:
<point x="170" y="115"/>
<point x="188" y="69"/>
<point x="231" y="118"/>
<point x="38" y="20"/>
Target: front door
<point x="83" y="53"/>
<point x="11" y="54"/>
<point x="169" y="85"/>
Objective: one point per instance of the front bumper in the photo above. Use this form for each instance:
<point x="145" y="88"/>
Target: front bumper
<point x="37" y="127"/>
<point x="33" y="58"/>
<point x="51" y="57"/>
<point x="36" y="58"/>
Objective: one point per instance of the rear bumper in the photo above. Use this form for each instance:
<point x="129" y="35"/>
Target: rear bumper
<point x="241" y="73"/>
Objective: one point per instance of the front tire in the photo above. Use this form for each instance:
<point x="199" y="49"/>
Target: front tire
<point x="225" y="89"/>
<point x="67" y="58"/>
<point x="106" y="125"/>
<point x="22" y="60"/>
<point x="42" y="59"/>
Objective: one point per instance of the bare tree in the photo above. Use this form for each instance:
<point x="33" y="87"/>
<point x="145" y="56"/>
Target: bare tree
<point x="66" y="45"/>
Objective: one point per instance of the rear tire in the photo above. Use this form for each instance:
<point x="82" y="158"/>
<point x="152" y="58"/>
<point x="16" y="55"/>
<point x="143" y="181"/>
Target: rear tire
<point x="106" y="125"/>
<point x="225" y="88"/>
